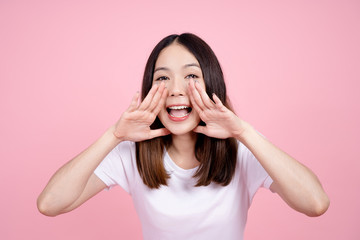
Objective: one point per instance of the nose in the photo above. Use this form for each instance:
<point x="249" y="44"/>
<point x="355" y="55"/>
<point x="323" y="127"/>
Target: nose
<point x="177" y="87"/>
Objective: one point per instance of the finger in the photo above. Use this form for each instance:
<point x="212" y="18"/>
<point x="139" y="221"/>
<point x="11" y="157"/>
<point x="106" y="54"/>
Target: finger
<point x="194" y="104"/>
<point x="147" y="100"/>
<point x="134" y="102"/>
<point x="218" y="102"/>
<point x="196" y="96"/>
<point x="200" y="129"/>
<point x="157" y="97"/>
<point x="158" y="133"/>
<point x="204" y="96"/>
<point x="161" y="103"/>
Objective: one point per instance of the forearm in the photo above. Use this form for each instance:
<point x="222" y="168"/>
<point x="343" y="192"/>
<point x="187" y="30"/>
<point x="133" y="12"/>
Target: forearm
<point x="293" y="181"/>
<point x="75" y="182"/>
<point x="67" y="184"/>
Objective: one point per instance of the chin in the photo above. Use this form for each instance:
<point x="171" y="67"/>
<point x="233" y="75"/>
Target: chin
<point x="179" y="132"/>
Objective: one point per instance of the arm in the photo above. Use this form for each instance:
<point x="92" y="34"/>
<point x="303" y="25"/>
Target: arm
<point x="296" y="184"/>
<point x="75" y="182"/>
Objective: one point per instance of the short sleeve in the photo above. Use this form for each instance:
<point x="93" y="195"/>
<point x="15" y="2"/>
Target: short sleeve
<point x="253" y="173"/>
<point x="117" y="168"/>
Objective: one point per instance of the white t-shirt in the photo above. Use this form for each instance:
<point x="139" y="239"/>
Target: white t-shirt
<point x="180" y="210"/>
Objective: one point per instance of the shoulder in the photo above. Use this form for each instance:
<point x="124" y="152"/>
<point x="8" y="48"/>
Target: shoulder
<point x="242" y="150"/>
<point x="124" y="151"/>
<point x="245" y="158"/>
<point x="125" y="146"/>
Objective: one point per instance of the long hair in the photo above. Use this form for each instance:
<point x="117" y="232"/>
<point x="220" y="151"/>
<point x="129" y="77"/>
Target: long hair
<point x="217" y="157"/>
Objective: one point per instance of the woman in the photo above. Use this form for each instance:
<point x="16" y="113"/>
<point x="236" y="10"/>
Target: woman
<point x="191" y="165"/>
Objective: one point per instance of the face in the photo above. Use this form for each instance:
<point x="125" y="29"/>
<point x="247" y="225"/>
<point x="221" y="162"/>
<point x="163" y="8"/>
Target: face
<point x="176" y="66"/>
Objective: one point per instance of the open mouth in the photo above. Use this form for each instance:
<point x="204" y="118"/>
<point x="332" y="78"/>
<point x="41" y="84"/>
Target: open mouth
<point x="179" y="111"/>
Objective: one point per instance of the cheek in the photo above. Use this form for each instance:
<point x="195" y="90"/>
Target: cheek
<point x="162" y="115"/>
<point x="196" y="116"/>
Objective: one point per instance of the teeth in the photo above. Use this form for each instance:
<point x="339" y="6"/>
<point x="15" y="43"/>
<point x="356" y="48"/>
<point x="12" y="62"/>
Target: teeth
<point x="178" y="107"/>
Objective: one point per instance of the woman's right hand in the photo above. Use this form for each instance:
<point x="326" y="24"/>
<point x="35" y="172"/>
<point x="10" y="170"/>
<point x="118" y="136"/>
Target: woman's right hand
<point x="134" y="124"/>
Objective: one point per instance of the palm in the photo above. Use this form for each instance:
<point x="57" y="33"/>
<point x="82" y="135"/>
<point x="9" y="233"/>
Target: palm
<point x="220" y="121"/>
<point x="134" y="124"/>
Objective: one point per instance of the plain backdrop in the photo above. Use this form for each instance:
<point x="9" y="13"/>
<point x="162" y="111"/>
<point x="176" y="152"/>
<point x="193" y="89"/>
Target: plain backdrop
<point x="68" y="69"/>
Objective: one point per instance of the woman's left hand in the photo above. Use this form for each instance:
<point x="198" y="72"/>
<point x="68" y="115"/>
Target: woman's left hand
<point x="220" y="121"/>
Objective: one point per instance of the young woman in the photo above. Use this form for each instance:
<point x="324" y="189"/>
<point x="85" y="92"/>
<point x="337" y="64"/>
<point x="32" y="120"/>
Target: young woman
<point x="190" y="164"/>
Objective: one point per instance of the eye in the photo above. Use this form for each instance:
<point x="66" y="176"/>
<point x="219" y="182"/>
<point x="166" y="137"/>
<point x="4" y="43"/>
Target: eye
<point x="191" y="76"/>
<point x="162" y="78"/>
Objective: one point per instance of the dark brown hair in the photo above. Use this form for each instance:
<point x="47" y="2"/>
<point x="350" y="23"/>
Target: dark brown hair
<point x="217" y="157"/>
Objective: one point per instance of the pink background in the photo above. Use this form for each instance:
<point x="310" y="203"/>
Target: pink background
<point x="69" y="68"/>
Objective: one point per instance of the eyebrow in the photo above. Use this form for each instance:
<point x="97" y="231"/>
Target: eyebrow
<point x="185" y="66"/>
<point x="191" y="65"/>
<point x="161" y="68"/>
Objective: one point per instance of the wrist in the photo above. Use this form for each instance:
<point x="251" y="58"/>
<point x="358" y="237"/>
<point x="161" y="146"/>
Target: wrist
<point x="246" y="131"/>
<point x="112" y="133"/>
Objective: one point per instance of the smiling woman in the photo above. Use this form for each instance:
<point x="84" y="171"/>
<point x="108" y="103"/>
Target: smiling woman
<point x="176" y="72"/>
<point x="190" y="164"/>
<point x="194" y="61"/>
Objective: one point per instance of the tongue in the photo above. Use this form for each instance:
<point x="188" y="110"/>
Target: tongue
<point x="178" y="113"/>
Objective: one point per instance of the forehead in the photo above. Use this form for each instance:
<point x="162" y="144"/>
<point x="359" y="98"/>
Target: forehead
<point x="175" y="55"/>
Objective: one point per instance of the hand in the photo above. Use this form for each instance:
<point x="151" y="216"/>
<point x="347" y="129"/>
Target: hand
<point x="220" y="121"/>
<point x="134" y="124"/>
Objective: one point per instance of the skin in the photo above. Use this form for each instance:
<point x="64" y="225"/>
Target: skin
<point x="176" y="73"/>
<point x="179" y="81"/>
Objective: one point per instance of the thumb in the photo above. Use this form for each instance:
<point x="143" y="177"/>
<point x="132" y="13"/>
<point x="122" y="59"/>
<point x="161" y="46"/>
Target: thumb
<point x="158" y="132"/>
<point x="201" y="129"/>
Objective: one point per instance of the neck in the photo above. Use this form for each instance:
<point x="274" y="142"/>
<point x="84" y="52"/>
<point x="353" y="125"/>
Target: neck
<point x="184" y="143"/>
<point x="182" y="150"/>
